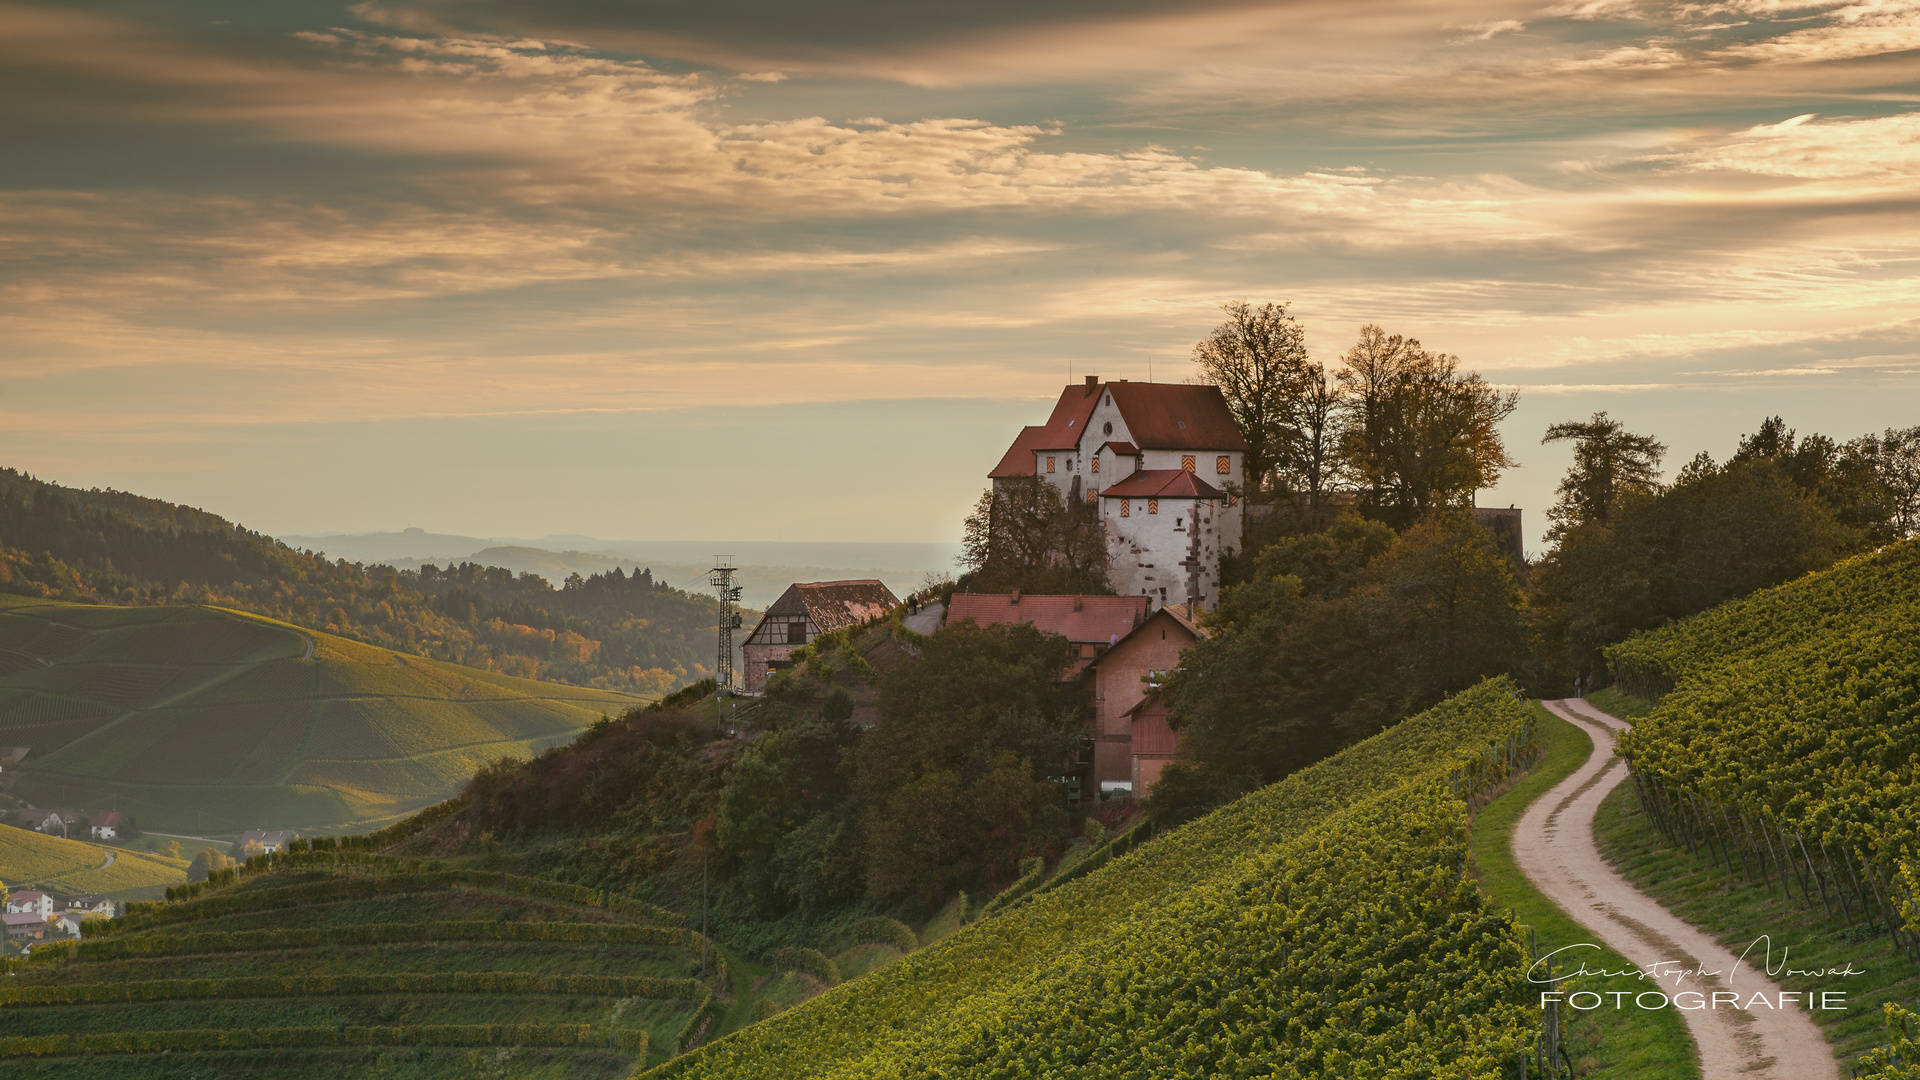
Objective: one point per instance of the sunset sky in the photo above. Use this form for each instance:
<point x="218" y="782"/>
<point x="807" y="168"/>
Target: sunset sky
<point x="757" y="270"/>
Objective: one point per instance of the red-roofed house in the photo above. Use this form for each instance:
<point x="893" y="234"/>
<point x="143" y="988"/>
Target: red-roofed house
<point x="107" y="826"/>
<point x="1092" y="623"/>
<point x="1132" y="742"/>
<point x="804" y="612"/>
<point x="1139" y="447"/>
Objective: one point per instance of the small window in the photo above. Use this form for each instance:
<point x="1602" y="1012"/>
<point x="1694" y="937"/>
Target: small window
<point x="1223" y="465"/>
<point x="1153" y="506"/>
<point x="1186" y="462"/>
<point x="796" y="633"/>
<point x="1049" y="464"/>
<point x="1126" y="507"/>
<point x="1232" y="500"/>
<point x="1093" y="494"/>
<point x="1096" y="464"/>
<point x="1107" y="428"/>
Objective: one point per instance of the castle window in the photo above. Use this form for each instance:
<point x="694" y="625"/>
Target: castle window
<point x="1107" y="428"/>
<point x="1153" y="506"/>
<point x="1126" y="507"/>
<point x="1096" y="464"/>
<point x="1223" y="465"/>
<point x="1049" y="464"/>
<point x="1186" y="462"/>
<point x="1093" y="494"/>
<point x="1232" y="500"/>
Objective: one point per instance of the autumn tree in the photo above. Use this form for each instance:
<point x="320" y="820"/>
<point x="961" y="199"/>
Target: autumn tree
<point x="1419" y="434"/>
<point x="1608" y="462"/>
<point x="1023" y="535"/>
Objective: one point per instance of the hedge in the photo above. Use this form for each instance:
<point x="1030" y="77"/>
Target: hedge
<point x="115" y="948"/>
<point x="812" y="961"/>
<point x="883" y="930"/>
<point x="1032" y="871"/>
<point x="400" y="830"/>
<point x="147" y="1042"/>
<point x="263" y="986"/>
<point x="703" y="1007"/>
<point x="143" y="914"/>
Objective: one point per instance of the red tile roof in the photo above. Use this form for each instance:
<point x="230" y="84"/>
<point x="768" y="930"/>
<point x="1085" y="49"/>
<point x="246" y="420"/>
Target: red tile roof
<point x="1019" y="457"/>
<point x="1069" y="420"/>
<point x="1081" y="619"/>
<point x="1124" y="449"/>
<point x="1162" y="484"/>
<point x="832" y="605"/>
<point x="1176" y="416"/>
<point x="112" y="819"/>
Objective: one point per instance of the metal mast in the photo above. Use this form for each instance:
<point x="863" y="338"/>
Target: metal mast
<point x="721" y="578"/>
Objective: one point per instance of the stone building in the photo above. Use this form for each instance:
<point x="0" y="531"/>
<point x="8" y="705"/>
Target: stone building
<point x="1164" y="462"/>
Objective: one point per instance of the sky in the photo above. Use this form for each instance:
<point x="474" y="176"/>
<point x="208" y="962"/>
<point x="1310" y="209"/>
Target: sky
<point x="756" y="270"/>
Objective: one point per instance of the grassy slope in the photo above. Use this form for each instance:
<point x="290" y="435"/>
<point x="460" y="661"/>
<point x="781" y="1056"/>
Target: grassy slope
<point x="661" y="1019"/>
<point x="993" y="962"/>
<point x="29" y="859"/>
<point x="1738" y="912"/>
<point x="1632" y="1043"/>
<point x="200" y="720"/>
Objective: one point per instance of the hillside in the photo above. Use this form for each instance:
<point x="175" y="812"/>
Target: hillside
<point x="1318" y="925"/>
<point x="200" y="720"/>
<point x="338" y="963"/>
<point x="614" y="629"/>
<point x="32" y="860"/>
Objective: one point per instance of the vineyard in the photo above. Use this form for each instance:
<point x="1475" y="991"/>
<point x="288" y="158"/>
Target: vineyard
<point x="1786" y="747"/>
<point x="1321" y="926"/>
<point x="333" y="962"/>
<point x="197" y="720"/>
<point x="77" y="866"/>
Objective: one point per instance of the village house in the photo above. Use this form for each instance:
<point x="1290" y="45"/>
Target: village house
<point x="1132" y="742"/>
<point x="1091" y="623"/>
<point x="269" y="842"/>
<point x="804" y="612"/>
<point x="1165" y="464"/>
<point x="30" y="901"/>
<point x="25" y="928"/>
<point x="88" y="904"/>
<point x="54" y="822"/>
<point x="108" y="826"/>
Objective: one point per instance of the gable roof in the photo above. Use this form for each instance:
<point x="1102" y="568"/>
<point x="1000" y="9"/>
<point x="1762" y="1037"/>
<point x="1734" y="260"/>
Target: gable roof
<point x="1176" y="416"/>
<point x="1019" y="457"/>
<point x="25" y="896"/>
<point x="1069" y="420"/>
<point x="1177" y="614"/>
<point x="108" y="820"/>
<point x="21" y="918"/>
<point x="1162" y="484"/>
<point x="1123" y="449"/>
<point x="1079" y="619"/>
<point x="832" y="605"/>
<point x="265" y="836"/>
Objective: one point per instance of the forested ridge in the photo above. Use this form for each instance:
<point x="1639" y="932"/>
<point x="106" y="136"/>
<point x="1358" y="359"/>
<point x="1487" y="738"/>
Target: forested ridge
<point x="613" y="630"/>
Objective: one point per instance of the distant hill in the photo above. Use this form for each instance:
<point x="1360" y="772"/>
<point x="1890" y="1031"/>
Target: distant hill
<point x="206" y="721"/>
<point x="32" y="860"/>
<point x="608" y="628"/>
<point x="766" y="568"/>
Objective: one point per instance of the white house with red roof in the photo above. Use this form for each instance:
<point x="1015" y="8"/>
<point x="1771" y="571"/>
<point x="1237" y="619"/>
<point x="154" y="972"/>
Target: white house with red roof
<point x="30" y="901"/>
<point x="1165" y="462"/>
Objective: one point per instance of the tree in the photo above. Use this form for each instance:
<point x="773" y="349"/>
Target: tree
<point x="1894" y="457"/>
<point x="1023" y="535"/>
<point x="1258" y="359"/>
<point x="1421" y="435"/>
<point x="206" y="862"/>
<point x="1608" y="461"/>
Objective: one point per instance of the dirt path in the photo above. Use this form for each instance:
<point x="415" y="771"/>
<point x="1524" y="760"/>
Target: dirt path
<point x="1555" y="848"/>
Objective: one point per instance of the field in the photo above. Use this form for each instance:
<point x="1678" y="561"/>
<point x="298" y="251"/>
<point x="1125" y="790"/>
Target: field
<point x="371" y="969"/>
<point x="1325" y="925"/>
<point x="204" y="721"/>
<point x="29" y="859"/>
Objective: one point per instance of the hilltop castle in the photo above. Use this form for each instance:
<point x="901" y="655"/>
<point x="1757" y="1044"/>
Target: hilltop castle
<point x="1163" y="462"/>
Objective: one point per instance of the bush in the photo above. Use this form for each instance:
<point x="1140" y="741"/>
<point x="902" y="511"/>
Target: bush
<point x="885" y="931"/>
<point x="811" y="961"/>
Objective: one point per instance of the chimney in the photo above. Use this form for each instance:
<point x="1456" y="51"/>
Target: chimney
<point x="1079" y="602"/>
<point x="1016" y="596"/>
<point x="1093" y="386"/>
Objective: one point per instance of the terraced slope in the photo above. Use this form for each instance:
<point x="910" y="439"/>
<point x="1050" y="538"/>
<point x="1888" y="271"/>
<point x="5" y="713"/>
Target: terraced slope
<point x="29" y="859"/>
<point x="1322" y="926"/>
<point x="205" y="721"/>
<point x="388" y="970"/>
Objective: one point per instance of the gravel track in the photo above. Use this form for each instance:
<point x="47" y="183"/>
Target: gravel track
<point x="1555" y="848"/>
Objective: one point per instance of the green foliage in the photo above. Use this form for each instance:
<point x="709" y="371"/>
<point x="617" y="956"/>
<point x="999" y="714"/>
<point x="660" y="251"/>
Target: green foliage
<point x="1717" y="534"/>
<point x="1900" y="1059"/>
<point x="1023" y="535"/>
<point x="1321" y="922"/>
<point x="229" y="941"/>
<point x="884" y="931"/>
<point x="811" y="961"/>
<point x="267" y="986"/>
<point x="55" y="862"/>
<point x="1288" y="677"/>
